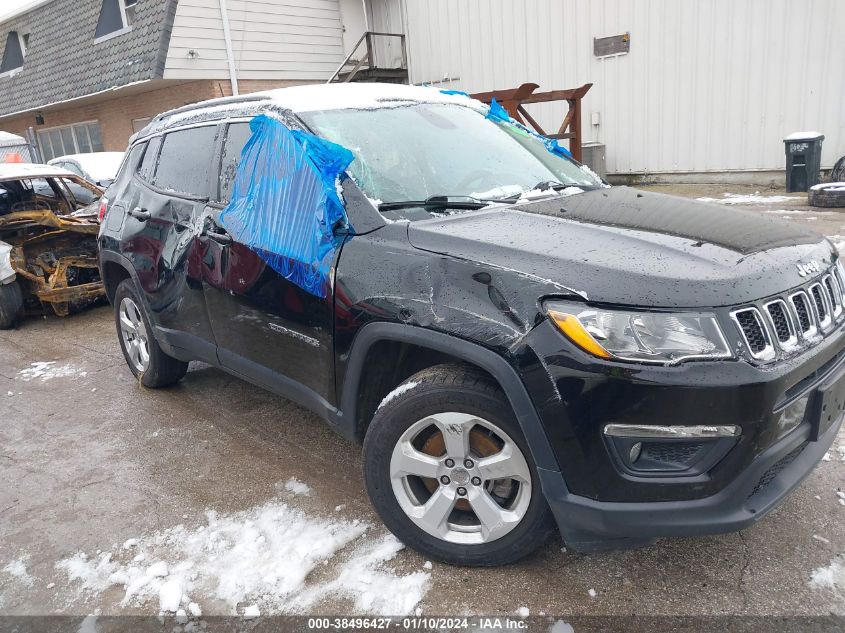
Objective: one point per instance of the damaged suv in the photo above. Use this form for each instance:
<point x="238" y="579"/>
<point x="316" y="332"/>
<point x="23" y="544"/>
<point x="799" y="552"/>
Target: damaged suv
<point x="517" y="344"/>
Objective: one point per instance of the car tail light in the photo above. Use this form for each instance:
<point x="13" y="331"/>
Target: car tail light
<point x="104" y="202"/>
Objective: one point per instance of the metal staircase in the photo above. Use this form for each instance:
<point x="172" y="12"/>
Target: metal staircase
<point x="384" y="58"/>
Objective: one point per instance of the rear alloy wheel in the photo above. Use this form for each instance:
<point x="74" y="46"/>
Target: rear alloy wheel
<point x="148" y="362"/>
<point x="449" y="472"/>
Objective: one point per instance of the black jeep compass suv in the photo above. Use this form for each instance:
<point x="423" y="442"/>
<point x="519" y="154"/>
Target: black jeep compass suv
<point x="517" y="344"/>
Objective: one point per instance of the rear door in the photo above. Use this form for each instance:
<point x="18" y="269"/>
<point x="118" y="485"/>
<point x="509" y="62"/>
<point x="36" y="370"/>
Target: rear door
<point x="162" y="228"/>
<point x="267" y="328"/>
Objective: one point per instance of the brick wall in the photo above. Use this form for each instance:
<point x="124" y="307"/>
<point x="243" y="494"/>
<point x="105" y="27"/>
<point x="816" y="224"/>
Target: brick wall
<point x="115" y="115"/>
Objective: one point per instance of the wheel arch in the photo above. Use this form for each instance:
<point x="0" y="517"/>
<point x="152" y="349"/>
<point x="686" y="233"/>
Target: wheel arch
<point x="448" y="346"/>
<point x="114" y="268"/>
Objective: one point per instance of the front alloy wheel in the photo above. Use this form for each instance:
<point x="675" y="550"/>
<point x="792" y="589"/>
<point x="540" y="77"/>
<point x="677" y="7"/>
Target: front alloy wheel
<point x="449" y="472"/>
<point x="460" y="478"/>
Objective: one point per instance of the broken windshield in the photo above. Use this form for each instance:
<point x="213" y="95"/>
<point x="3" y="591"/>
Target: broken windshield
<point x="425" y="151"/>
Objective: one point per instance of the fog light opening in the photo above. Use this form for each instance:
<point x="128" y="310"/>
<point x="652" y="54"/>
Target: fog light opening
<point x="635" y="452"/>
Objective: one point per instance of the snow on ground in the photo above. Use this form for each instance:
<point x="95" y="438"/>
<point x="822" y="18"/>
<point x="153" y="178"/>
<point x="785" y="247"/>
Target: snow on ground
<point x="755" y="198"/>
<point x="258" y="560"/>
<point x="17" y="569"/>
<point x="47" y="370"/>
<point x="831" y="577"/>
<point x="297" y="487"/>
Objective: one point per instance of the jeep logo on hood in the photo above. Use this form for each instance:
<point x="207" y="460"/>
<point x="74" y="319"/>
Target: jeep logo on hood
<point x="807" y="269"/>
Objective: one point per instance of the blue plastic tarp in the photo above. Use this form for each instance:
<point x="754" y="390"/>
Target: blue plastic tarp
<point x="285" y="203"/>
<point x="498" y="114"/>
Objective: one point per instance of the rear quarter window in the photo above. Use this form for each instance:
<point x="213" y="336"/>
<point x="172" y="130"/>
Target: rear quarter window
<point x="148" y="164"/>
<point x="185" y="161"/>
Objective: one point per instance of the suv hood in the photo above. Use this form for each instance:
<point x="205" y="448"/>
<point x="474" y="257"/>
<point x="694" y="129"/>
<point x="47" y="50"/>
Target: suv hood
<point x="630" y="247"/>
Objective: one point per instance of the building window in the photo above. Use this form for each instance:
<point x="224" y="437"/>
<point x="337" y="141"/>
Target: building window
<point x="140" y="124"/>
<point x="14" y="53"/>
<point x="80" y="138"/>
<point x="116" y="18"/>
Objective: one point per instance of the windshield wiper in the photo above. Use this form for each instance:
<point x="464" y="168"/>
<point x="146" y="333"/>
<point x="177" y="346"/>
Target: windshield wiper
<point x="433" y="203"/>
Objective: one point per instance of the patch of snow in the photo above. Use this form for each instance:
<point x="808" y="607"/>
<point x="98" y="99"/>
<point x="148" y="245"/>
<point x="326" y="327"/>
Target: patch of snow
<point x="195" y="610"/>
<point x="592" y="593"/>
<point x="586" y="169"/>
<point x="832" y="576"/>
<point x="362" y="96"/>
<point x="17" y="569"/>
<point x="404" y="387"/>
<point x="373" y="589"/>
<point x="495" y="193"/>
<point x="797" y="136"/>
<point x="755" y="198"/>
<point x="263" y="557"/>
<point x="427" y="564"/>
<point x="339" y="508"/>
<point x="130" y="542"/>
<point x="297" y="487"/>
<point x="823" y="185"/>
<point x="821" y="539"/>
<point x="786" y="211"/>
<point x="561" y="627"/>
<point x="47" y="370"/>
<point x="251" y="612"/>
<point x="523" y="612"/>
<point x="51" y="585"/>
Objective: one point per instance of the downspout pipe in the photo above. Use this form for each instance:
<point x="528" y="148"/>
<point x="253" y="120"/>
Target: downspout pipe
<point x="227" y="39"/>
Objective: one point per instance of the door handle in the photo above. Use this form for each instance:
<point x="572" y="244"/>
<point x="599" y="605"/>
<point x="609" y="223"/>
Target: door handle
<point x="139" y="213"/>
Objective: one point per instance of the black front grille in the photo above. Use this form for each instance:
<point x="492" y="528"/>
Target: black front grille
<point x="753" y="330"/>
<point x="776" y="470"/>
<point x="803" y="312"/>
<point x="819" y="301"/>
<point x="781" y="321"/>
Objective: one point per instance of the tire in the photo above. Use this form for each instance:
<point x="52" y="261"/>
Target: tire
<point x="829" y="195"/>
<point x="11" y="305"/>
<point x="147" y="361"/>
<point x="461" y="397"/>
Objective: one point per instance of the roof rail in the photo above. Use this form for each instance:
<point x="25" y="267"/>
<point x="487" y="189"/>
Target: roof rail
<point x="212" y="102"/>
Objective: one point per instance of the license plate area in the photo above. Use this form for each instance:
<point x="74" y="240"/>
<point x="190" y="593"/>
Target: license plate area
<point x="829" y="405"/>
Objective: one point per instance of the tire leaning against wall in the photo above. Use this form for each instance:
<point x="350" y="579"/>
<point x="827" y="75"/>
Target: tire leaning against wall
<point x="11" y="305"/>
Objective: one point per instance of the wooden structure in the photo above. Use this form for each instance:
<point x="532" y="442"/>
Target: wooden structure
<point x="514" y="101"/>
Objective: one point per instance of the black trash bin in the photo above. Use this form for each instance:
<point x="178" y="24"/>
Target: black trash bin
<point x="803" y="160"/>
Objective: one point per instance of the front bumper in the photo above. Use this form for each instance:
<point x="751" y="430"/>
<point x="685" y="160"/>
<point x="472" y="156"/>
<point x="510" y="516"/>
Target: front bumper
<point x="588" y="525"/>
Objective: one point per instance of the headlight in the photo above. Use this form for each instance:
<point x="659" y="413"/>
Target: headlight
<point x="650" y="337"/>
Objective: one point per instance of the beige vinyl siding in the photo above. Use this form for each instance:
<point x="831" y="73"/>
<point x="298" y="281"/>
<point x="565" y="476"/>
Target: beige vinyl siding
<point x="271" y="39"/>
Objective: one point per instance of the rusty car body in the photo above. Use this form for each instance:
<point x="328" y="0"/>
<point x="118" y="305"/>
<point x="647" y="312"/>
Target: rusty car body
<point x="48" y="239"/>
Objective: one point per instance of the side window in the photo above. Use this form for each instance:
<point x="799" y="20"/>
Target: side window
<point x="237" y="135"/>
<point x="185" y="161"/>
<point x="148" y="164"/>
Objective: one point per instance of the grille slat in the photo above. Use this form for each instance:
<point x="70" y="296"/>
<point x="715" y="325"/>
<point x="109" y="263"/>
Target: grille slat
<point x="820" y="304"/>
<point x="780" y="321"/>
<point x="753" y="330"/>
<point x="805" y="321"/>
<point x="834" y="296"/>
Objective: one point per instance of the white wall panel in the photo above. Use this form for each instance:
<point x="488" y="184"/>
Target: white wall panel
<point x="271" y="39"/>
<point x="708" y="85"/>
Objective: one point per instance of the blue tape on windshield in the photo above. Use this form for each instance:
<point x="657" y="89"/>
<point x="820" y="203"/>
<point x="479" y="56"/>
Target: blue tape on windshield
<point x="285" y="202"/>
<point x="456" y="92"/>
<point x="497" y="112"/>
